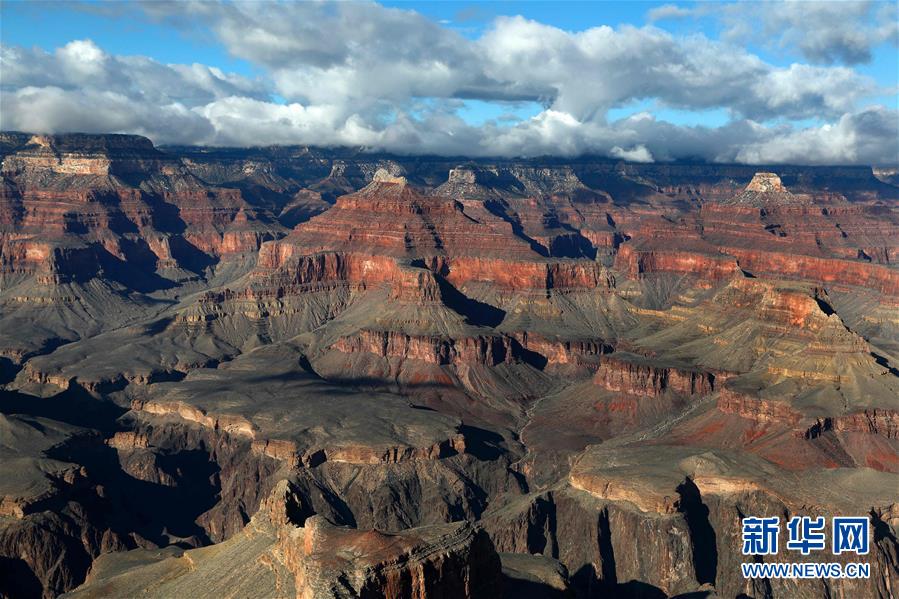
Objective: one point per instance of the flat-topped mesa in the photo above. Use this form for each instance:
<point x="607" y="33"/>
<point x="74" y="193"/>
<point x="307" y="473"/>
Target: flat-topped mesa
<point x="76" y="154"/>
<point x="502" y="182"/>
<point x="462" y="175"/>
<point x="462" y="182"/>
<point x="384" y="176"/>
<point x="766" y="182"/>
<point x="390" y="193"/>
<point x="546" y="180"/>
<point x="78" y="143"/>
<point x="472" y="182"/>
<point x="767" y="191"/>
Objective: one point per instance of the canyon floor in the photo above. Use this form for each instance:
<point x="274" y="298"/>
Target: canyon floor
<point x="302" y="372"/>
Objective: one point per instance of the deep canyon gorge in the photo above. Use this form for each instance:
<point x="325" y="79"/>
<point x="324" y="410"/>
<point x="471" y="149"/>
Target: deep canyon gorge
<point x="309" y="372"/>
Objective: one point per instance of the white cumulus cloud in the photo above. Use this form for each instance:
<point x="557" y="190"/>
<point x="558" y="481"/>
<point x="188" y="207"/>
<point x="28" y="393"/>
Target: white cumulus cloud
<point x="385" y="78"/>
<point x="636" y="154"/>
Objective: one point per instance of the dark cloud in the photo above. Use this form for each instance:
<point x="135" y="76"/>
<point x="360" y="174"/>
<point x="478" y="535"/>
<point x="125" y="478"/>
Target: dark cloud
<point x="832" y="32"/>
<point x="822" y="31"/>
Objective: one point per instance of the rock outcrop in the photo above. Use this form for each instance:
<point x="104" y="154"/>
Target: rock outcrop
<point x="274" y="557"/>
<point x="766" y="191"/>
<point x="639" y="376"/>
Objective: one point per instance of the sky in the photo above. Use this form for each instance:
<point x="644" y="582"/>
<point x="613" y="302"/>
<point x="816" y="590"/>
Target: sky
<point x="749" y="82"/>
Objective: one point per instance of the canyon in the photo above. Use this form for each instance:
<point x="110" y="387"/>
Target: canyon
<point x="325" y="372"/>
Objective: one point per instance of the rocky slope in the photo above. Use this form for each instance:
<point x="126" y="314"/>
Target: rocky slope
<point x="300" y="372"/>
<point x="310" y="559"/>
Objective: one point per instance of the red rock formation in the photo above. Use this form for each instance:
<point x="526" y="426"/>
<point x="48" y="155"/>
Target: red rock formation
<point x="281" y="263"/>
<point x="450" y="561"/>
<point x="390" y="217"/>
<point x="118" y="196"/>
<point x="709" y="267"/>
<point x="485" y="350"/>
<point x="830" y="271"/>
<point x="634" y="375"/>
<point x="876" y="422"/>
<point x="560" y="352"/>
<point x="520" y="275"/>
<point x="770" y="232"/>
<point x="758" y="410"/>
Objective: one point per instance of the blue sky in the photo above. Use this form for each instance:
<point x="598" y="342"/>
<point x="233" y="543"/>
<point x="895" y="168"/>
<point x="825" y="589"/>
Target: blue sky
<point x="809" y="57"/>
<point x="116" y="27"/>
